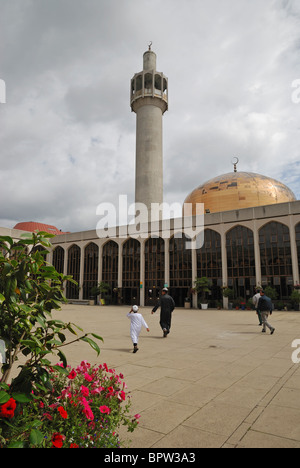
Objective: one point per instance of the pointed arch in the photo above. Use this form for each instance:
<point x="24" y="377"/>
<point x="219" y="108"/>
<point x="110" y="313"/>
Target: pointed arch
<point x="241" y="261"/>
<point x="90" y="273"/>
<point x="73" y="269"/>
<point x="181" y="280"/>
<point x="110" y="268"/>
<point x="131" y="271"/>
<point x="276" y="257"/>
<point x="154" y="269"/>
<point x="58" y="259"/>
<point x="209" y="262"/>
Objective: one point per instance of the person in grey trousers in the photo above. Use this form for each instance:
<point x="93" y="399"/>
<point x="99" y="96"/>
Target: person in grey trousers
<point x="255" y="300"/>
<point x="266" y="308"/>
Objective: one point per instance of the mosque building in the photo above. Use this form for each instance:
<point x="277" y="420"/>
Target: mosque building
<point x="251" y="228"/>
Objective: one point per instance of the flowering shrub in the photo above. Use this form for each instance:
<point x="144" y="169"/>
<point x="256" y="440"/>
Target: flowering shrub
<point x="84" y="409"/>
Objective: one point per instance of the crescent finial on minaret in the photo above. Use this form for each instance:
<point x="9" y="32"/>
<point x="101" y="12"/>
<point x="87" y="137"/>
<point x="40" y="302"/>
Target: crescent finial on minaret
<point x="235" y="162"/>
<point x="149" y="46"/>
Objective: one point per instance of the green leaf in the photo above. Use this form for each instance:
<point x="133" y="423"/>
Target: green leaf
<point x="17" y="444"/>
<point x="4" y="386"/>
<point x="63" y="358"/>
<point x="2" y="298"/>
<point x="61" y="370"/>
<point x="4" y="397"/>
<point x="36" y="437"/>
<point x="92" y="344"/>
<point x="40" y="319"/>
<point x="97" y="337"/>
<point x="7" y="239"/>
<point x="71" y="329"/>
<point x="22" y="397"/>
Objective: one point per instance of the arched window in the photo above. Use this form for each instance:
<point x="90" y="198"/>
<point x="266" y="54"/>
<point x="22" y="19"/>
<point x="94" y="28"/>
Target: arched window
<point x="181" y="280"/>
<point x="58" y="259"/>
<point x="131" y="271"/>
<point x="241" y="261"/>
<point x="90" y="275"/>
<point x="74" y="254"/>
<point x="154" y="269"/>
<point x="209" y="262"/>
<point x="148" y="82"/>
<point x="276" y="259"/>
<point x="110" y="261"/>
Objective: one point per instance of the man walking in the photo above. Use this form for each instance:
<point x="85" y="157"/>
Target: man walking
<point x="266" y="308"/>
<point x="255" y="300"/>
<point x="167" y="305"/>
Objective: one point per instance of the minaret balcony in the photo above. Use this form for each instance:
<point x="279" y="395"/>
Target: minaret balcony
<point x="149" y="84"/>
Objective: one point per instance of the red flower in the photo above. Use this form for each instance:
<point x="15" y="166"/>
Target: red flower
<point x="104" y="409"/>
<point x="57" y="440"/>
<point x="74" y="446"/>
<point x="8" y="409"/>
<point x="72" y="375"/>
<point x="62" y="412"/>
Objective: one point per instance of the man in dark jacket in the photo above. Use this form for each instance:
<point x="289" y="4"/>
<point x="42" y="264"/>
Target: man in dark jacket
<point x="167" y="305"/>
<point x="266" y="308"/>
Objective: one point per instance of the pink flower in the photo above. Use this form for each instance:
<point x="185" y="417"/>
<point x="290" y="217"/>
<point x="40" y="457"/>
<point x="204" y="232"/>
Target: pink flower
<point x="105" y="409"/>
<point x="88" y="413"/>
<point x="137" y="416"/>
<point x="88" y="377"/>
<point x="105" y="367"/>
<point x="87" y="409"/>
<point x="123" y="395"/>
<point x="84" y="391"/>
<point x="97" y="390"/>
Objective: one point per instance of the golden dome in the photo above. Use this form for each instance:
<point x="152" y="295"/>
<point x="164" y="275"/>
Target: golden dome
<point x="238" y="190"/>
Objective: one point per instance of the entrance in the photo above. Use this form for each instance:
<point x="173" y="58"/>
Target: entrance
<point x="131" y="296"/>
<point x="152" y="295"/>
<point x="179" y="295"/>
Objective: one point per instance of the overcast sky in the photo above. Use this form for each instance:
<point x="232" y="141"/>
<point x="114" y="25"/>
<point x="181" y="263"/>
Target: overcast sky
<point x="67" y="134"/>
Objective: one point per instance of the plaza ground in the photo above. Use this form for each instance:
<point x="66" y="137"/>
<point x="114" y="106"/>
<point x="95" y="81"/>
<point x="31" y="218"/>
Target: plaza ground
<point x="216" y="381"/>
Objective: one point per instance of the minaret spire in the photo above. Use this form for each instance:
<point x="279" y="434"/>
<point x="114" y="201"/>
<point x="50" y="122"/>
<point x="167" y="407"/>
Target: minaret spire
<point x="149" y="100"/>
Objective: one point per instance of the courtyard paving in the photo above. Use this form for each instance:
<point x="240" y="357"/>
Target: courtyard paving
<point x="216" y="381"/>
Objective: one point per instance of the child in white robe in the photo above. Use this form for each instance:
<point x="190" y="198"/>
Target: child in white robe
<point x="137" y="322"/>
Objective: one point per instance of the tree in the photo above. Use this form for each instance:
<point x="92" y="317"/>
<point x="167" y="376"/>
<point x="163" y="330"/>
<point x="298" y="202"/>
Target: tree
<point x="202" y="287"/>
<point x="271" y="293"/>
<point x="30" y="289"/>
<point x="100" y="289"/>
<point x="295" y="297"/>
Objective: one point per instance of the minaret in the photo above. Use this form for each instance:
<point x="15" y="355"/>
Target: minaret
<point x="149" y="100"/>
